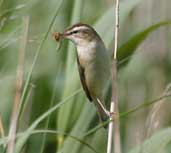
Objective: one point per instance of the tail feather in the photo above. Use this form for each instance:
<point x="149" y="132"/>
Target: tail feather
<point x="101" y="113"/>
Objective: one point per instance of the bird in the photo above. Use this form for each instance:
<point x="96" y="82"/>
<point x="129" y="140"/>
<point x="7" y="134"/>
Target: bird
<point x="93" y="63"/>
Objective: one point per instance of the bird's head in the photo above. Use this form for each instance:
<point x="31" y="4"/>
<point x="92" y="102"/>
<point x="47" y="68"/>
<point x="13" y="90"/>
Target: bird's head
<point x="80" y="34"/>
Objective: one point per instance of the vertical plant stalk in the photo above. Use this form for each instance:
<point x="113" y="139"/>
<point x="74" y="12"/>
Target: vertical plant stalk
<point x="2" y="131"/>
<point x="114" y="125"/>
<point x="18" y="87"/>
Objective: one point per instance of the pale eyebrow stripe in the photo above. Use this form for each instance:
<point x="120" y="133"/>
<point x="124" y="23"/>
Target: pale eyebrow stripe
<point x="79" y="28"/>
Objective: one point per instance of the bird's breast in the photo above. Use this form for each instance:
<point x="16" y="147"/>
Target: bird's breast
<point x="86" y="55"/>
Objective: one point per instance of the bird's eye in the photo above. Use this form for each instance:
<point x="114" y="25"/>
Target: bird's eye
<point x="74" y="32"/>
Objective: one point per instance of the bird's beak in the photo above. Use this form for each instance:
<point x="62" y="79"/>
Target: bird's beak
<point x="64" y="35"/>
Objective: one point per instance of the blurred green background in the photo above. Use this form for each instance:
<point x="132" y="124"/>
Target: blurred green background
<point x="144" y="73"/>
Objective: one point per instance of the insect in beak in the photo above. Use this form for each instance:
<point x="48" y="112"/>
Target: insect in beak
<point x="57" y="36"/>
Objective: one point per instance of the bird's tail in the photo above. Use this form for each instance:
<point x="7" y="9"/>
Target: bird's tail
<point x="102" y="112"/>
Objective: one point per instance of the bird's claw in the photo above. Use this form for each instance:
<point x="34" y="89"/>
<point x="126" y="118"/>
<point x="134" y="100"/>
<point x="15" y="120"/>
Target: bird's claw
<point x="113" y="115"/>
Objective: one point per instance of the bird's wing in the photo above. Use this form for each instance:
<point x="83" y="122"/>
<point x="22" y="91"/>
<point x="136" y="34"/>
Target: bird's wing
<point x="83" y="80"/>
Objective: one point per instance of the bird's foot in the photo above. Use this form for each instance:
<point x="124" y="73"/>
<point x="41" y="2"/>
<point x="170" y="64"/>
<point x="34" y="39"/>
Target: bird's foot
<point x="114" y="115"/>
<point x="103" y="107"/>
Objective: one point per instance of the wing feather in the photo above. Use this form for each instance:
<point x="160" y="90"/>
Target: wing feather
<point x="83" y="80"/>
